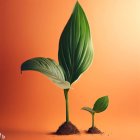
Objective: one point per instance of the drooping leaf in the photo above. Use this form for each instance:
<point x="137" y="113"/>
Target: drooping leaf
<point x="49" y="68"/>
<point x="101" y="104"/>
<point x="75" y="46"/>
<point x="88" y="109"/>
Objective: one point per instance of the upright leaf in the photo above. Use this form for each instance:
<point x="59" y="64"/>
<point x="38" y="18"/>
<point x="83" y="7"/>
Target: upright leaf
<point x="48" y="67"/>
<point x="101" y="104"/>
<point x="75" y="46"/>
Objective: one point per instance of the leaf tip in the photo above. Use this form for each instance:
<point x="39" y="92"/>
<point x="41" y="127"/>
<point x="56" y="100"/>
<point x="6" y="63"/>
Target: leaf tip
<point x="21" y="68"/>
<point x="77" y="2"/>
<point x="106" y="97"/>
<point x="82" y="108"/>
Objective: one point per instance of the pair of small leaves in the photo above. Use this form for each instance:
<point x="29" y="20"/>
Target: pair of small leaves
<point x="100" y="105"/>
<point x="75" y="52"/>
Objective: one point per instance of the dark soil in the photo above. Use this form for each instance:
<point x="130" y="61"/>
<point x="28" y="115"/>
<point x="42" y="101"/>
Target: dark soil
<point x="94" y="130"/>
<point x="67" y="128"/>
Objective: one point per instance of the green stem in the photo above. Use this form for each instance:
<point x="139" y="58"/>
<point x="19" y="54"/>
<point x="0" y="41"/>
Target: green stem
<point x="93" y="120"/>
<point x="67" y="104"/>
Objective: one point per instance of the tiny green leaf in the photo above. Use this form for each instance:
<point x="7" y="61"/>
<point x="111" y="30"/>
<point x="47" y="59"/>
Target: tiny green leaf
<point x="49" y="68"/>
<point x="88" y="109"/>
<point x="101" y="104"/>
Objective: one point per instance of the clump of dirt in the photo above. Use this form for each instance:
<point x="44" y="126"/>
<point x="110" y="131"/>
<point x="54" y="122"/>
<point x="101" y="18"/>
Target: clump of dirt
<point x="94" y="130"/>
<point x="67" y="128"/>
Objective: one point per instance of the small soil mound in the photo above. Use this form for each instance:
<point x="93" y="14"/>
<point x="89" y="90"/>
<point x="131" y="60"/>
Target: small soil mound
<point x="67" y="128"/>
<point x="94" y="130"/>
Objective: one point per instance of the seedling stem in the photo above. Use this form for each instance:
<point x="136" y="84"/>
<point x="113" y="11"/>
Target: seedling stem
<point x="93" y="120"/>
<point x="67" y="104"/>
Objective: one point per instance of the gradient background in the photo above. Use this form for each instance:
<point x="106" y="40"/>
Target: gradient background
<point x="31" y="105"/>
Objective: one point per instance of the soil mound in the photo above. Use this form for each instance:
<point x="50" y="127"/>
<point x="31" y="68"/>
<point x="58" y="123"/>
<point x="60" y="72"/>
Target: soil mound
<point x="94" y="130"/>
<point x="67" y="128"/>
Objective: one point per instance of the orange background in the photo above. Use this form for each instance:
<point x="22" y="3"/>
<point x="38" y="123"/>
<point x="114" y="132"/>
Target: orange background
<point x="30" y="103"/>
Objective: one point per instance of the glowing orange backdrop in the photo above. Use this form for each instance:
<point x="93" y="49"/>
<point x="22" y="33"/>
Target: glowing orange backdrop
<point x="30" y="102"/>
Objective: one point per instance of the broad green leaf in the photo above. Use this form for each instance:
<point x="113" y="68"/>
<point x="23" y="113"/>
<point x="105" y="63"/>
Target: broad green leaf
<point x="88" y="109"/>
<point x="101" y="104"/>
<point x="75" y="45"/>
<point x="48" y="67"/>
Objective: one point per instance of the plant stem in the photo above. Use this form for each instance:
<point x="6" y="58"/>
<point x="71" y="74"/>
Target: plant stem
<point x="67" y="104"/>
<point x="93" y="120"/>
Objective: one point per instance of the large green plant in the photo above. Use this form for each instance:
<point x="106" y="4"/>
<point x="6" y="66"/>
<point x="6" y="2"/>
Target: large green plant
<point x="75" y="54"/>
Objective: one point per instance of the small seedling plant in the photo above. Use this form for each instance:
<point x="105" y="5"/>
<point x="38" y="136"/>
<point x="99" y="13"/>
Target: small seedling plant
<point x="75" y="55"/>
<point x="100" y="105"/>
